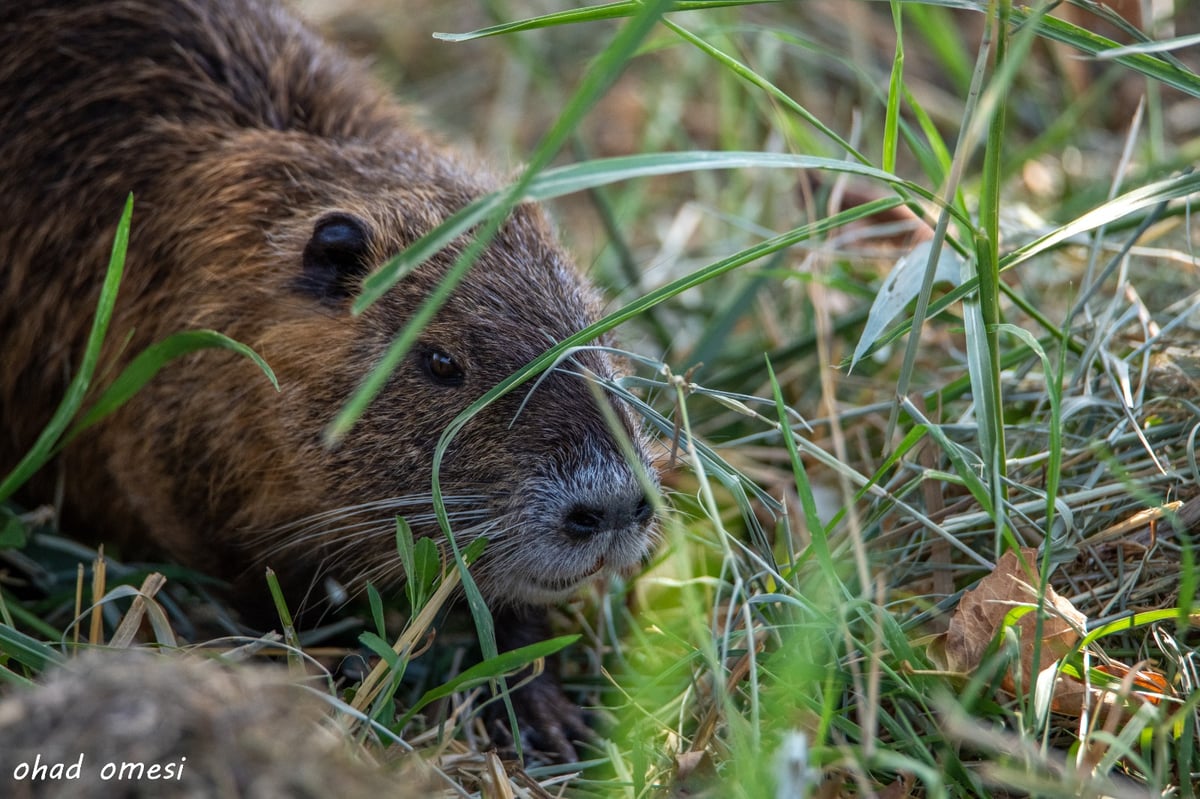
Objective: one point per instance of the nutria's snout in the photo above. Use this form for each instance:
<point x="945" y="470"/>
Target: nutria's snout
<point x="579" y="522"/>
<point x="632" y="510"/>
<point x="606" y="511"/>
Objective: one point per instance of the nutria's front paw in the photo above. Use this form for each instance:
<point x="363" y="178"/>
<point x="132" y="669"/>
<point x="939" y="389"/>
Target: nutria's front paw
<point x="550" y="724"/>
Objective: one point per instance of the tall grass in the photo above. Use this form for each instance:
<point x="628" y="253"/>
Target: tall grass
<point x="785" y="617"/>
<point x="899" y="302"/>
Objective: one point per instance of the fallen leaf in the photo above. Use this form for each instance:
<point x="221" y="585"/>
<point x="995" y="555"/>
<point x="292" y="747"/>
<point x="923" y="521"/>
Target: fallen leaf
<point x="1146" y="684"/>
<point x="900" y="788"/>
<point x="691" y="763"/>
<point x="982" y="611"/>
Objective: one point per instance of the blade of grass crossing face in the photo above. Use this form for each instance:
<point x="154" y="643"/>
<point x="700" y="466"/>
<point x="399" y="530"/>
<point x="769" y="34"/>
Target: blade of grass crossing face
<point x="43" y="448"/>
<point x="656" y="297"/>
<point x="592" y="174"/>
<point x="596" y="80"/>
<point x="604" y="71"/>
<point x="660" y="295"/>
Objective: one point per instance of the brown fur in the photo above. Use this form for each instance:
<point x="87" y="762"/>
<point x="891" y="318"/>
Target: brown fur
<point x="212" y="731"/>
<point x="238" y="132"/>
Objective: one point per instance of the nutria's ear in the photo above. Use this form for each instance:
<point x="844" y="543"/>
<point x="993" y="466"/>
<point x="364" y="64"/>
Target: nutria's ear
<point x="336" y="257"/>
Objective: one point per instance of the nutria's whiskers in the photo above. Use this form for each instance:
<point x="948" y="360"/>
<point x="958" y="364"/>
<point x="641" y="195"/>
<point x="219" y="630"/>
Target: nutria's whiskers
<point x="389" y="508"/>
<point x="343" y="532"/>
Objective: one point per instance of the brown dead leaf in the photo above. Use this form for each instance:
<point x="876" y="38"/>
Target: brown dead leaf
<point x="982" y="611"/>
<point x="695" y="775"/>
<point x="1146" y="683"/>
<point x="686" y="763"/>
<point x="900" y="788"/>
<point x="935" y="650"/>
<point x="1067" y="697"/>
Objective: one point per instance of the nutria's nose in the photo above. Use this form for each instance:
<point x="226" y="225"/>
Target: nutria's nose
<point x="586" y="519"/>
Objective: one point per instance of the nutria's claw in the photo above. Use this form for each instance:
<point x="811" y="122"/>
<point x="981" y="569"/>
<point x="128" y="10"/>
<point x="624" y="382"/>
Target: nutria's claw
<point x="551" y="725"/>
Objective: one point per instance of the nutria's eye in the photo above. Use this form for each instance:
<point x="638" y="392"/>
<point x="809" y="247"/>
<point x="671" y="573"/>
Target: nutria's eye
<point x="442" y="368"/>
<point x="336" y="257"/>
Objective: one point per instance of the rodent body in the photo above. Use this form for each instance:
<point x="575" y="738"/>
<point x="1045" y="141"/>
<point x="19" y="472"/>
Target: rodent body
<point x="270" y="173"/>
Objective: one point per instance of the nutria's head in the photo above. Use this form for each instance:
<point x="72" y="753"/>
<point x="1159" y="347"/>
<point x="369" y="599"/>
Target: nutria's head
<point x="539" y="473"/>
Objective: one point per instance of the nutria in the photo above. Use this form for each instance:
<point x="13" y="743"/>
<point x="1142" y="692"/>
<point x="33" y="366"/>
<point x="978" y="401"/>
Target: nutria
<point x="133" y="724"/>
<point x="270" y="174"/>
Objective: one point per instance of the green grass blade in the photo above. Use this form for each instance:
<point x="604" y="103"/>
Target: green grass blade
<point x="816" y="530"/>
<point x="1093" y="44"/>
<point x="490" y="669"/>
<point x="561" y="181"/>
<point x="1119" y="208"/>
<point x="595" y="13"/>
<point x="603" y="73"/>
<point x="891" y="120"/>
<point x="147" y="364"/>
<point x="569" y="17"/>
<point x="1053" y="378"/>
<point x="44" y="447"/>
<point x="26" y="650"/>
<point x="966" y="470"/>
<point x="983" y="315"/>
